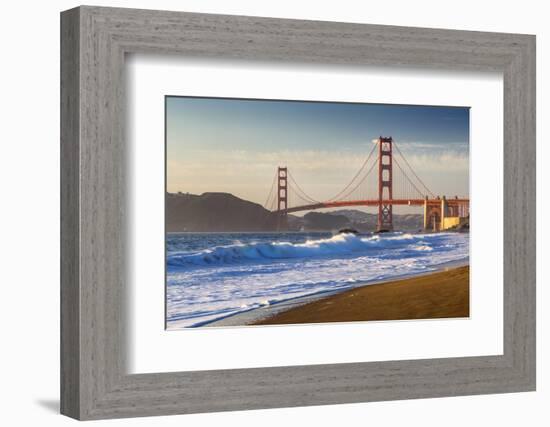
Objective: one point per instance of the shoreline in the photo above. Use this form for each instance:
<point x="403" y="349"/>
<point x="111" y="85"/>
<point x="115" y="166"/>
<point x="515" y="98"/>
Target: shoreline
<point x="439" y="295"/>
<point x="258" y="315"/>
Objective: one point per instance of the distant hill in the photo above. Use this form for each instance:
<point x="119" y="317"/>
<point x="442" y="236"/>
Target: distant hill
<point x="324" y="221"/>
<point x="365" y="221"/>
<point x="356" y="215"/>
<point x="226" y="212"/>
<point x="215" y="212"/>
<point x="410" y="222"/>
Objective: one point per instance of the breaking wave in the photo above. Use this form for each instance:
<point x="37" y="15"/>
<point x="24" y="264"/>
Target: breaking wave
<point x="341" y="244"/>
<point x="211" y="276"/>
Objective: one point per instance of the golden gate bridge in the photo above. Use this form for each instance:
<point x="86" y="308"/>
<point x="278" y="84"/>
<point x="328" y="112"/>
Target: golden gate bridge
<point x="383" y="187"/>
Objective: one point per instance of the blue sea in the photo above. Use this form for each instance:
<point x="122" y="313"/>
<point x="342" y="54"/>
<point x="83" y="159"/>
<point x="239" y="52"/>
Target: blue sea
<point x="211" y="276"/>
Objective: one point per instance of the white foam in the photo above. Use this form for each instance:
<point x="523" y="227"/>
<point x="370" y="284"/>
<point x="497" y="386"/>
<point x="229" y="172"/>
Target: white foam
<point x="209" y="284"/>
<point x="339" y="244"/>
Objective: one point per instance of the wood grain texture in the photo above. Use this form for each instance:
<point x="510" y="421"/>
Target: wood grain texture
<point x="70" y="292"/>
<point x="95" y="383"/>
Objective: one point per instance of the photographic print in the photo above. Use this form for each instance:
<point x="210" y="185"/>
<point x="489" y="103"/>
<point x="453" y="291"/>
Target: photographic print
<point x="284" y="212"/>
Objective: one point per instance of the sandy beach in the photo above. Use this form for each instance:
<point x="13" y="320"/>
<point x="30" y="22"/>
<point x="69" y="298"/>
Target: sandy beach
<point x="442" y="294"/>
<point x="266" y="274"/>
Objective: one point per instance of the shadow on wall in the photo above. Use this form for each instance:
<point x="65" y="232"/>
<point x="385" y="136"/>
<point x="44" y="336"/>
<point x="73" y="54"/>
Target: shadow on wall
<point x="51" y="405"/>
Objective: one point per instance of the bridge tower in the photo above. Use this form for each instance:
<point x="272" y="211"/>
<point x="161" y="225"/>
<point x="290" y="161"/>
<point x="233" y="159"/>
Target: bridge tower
<point x="282" y="198"/>
<point x="385" y="184"/>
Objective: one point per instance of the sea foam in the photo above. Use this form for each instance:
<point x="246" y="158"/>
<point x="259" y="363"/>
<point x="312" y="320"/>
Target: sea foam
<point x="341" y="244"/>
<point x="211" y="276"/>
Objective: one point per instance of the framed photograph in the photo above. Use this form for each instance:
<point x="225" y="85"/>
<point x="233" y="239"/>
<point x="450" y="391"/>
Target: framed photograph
<point x="247" y="244"/>
<point x="262" y="213"/>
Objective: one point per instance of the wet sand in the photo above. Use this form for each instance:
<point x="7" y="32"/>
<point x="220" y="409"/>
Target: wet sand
<point x="442" y="294"/>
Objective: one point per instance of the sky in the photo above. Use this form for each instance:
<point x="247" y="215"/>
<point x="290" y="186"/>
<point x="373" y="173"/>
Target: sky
<point x="235" y="145"/>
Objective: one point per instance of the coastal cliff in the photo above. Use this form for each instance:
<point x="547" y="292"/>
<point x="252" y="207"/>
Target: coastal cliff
<point x="224" y="212"/>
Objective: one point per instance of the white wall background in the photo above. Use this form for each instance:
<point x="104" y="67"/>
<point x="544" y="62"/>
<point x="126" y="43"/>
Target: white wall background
<point x="29" y="212"/>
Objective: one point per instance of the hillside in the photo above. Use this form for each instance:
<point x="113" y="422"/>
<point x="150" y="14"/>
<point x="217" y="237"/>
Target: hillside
<point x="365" y="221"/>
<point x="226" y="212"/>
<point x="324" y="221"/>
<point x="215" y="212"/>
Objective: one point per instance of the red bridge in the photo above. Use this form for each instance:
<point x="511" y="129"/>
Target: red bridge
<point x="400" y="186"/>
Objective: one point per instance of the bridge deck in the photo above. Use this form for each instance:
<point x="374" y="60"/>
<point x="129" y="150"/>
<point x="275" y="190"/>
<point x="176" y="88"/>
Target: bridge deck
<point x="375" y="202"/>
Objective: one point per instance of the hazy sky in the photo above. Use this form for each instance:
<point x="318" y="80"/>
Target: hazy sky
<point x="235" y="146"/>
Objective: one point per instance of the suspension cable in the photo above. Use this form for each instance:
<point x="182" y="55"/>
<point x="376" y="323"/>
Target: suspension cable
<point x="307" y="198"/>
<point x="356" y="175"/>
<point x="362" y="180"/>
<point x="412" y="170"/>
<point x="405" y="175"/>
<point x="295" y="193"/>
<point x="271" y="191"/>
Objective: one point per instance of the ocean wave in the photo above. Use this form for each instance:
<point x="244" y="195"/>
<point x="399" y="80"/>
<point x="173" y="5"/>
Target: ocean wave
<point x="341" y="244"/>
<point x="235" y="275"/>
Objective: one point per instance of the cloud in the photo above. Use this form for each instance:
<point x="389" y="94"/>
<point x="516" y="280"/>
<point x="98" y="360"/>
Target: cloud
<point x="310" y="161"/>
<point x="321" y="173"/>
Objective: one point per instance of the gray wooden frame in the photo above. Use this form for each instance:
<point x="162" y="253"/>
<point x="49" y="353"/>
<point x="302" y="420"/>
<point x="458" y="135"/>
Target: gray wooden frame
<point x="94" y="382"/>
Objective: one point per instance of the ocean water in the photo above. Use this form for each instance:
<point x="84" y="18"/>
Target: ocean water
<point x="214" y="275"/>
